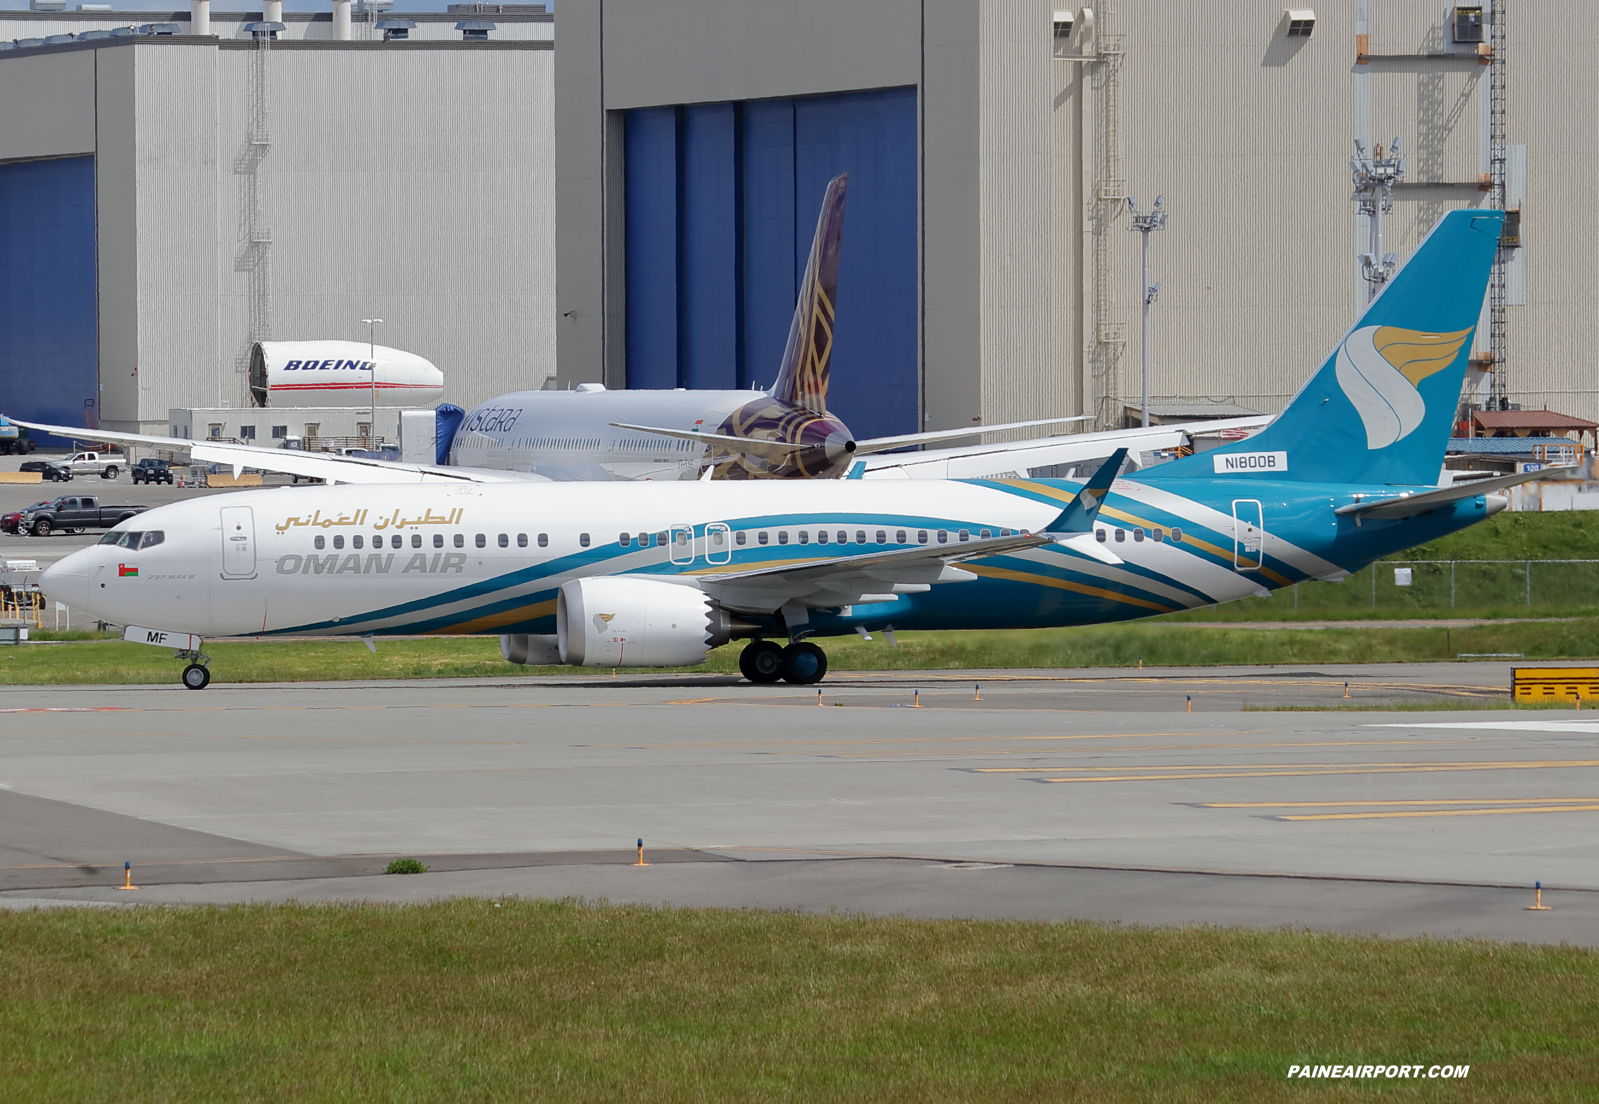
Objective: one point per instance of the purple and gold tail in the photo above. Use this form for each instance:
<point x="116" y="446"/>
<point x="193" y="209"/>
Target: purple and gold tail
<point x="802" y="380"/>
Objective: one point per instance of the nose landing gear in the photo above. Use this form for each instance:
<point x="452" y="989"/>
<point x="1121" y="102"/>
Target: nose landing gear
<point x="196" y="676"/>
<point x="765" y="661"/>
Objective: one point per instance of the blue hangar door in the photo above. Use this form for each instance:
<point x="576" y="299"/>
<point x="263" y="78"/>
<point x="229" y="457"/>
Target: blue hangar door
<point x="49" y="340"/>
<point x="722" y="201"/>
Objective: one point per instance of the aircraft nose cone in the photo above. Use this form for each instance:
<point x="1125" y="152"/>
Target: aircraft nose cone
<point x="67" y="581"/>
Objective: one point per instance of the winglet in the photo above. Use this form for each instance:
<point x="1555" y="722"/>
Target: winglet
<point x="856" y="470"/>
<point x="1079" y="516"/>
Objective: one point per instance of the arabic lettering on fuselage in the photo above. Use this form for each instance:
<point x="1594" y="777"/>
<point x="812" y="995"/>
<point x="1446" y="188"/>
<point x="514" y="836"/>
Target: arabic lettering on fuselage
<point x="324" y="365"/>
<point x="359" y="519"/>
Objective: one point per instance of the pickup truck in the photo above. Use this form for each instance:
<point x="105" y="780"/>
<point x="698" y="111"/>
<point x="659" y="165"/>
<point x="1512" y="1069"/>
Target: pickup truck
<point x="14" y="438"/>
<point x="74" y="513"/>
<point x="151" y="471"/>
<point x="103" y="464"/>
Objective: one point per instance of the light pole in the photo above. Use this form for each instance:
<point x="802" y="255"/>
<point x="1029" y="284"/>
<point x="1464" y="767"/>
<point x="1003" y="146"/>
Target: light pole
<point x="372" y="373"/>
<point x="1144" y="224"/>
<point x="1375" y="175"/>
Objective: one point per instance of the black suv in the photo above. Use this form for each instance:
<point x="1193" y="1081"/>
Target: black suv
<point x="151" y="471"/>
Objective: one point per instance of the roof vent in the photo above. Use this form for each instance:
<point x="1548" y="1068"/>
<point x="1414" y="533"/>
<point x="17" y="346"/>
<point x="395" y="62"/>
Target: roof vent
<point x="254" y="30"/>
<point x="396" y="30"/>
<point x="474" y="30"/>
<point x="366" y="6"/>
<point x="92" y="34"/>
<point x="56" y="40"/>
<point x="158" y="29"/>
<point x="1301" y="21"/>
<point x="25" y="43"/>
<point x="123" y="32"/>
<point x="47" y="5"/>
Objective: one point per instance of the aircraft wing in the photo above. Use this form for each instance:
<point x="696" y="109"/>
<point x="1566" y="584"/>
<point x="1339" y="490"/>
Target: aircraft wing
<point x="315" y="465"/>
<point x="1017" y="457"/>
<point x="1408" y="504"/>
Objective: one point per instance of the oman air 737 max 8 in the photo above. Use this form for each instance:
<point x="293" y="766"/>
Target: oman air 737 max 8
<point x="630" y="574"/>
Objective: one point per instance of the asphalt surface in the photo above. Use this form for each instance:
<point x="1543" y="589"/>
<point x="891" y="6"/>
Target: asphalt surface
<point x="1092" y="795"/>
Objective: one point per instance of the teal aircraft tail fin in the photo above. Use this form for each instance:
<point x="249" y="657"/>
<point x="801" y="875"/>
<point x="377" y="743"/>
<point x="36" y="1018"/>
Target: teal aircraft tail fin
<point x="1382" y="406"/>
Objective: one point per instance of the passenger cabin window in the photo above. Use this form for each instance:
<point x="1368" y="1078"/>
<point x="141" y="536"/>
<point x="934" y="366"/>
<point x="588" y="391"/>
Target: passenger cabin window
<point x="320" y="542"/>
<point x="821" y="536"/>
<point x="416" y="540"/>
<point x="860" y="536"/>
<point x="899" y="536"/>
<point x="643" y="540"/>
<point x="544" y="540"/>
<point x="1138" y="535"/>
<point x="583" y="539"/>
<point x="1158" y="534"/>
<point x="521" y="540"/>
<point x="882" y="537"/>
<point x="943" y="536"/>
<point x="1099" y="535"/>
<point x="338" y="542"/>
<point x="480" y="540"/>
<point x="761" y="537"/>
<point x="782" y="536"/>
<point x="804" y="536"/>
<point x="460" y="540"/>
<point x="355" y="541"/>
<point x="438" y="540"/>
<point x="505" y="540"/>
<point x="987" y="533"/>
<point x="1121" y="535"/>
<point x="1176" y="534"/>
<point x="964" y="535"/>
<point x="921" y="536"/>
<point x="625" y="540"/>
<point x="843" y="537"/>
<point x="738" y="538"/>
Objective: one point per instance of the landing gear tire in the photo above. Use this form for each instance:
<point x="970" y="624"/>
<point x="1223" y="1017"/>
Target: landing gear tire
<point x="196" y="677"/>
<point x="761" y="662"/>
<point x="804" y="663"/>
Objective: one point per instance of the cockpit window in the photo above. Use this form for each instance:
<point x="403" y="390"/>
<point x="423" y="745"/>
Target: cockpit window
<point x="152" y="538"/>
<point x="112" y="537"/>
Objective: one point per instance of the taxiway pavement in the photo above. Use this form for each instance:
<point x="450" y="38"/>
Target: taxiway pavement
<point x="1093" y="795"/>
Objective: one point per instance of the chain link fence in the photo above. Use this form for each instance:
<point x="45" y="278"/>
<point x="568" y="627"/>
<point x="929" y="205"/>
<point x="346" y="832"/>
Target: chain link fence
<point x="1395" y="586"/>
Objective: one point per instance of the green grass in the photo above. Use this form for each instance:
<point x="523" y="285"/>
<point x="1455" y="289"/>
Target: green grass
<point x="516" y="1000"/>
<point x="1566" y="535"/>
<point x="1157" y="643"/>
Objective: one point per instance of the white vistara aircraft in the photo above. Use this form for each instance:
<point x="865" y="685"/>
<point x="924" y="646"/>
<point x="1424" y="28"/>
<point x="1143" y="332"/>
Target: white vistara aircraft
<point x="591" y="433"/>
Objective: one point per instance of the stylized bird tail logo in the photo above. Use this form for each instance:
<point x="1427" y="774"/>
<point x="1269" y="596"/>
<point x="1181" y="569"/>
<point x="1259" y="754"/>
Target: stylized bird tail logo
<point x="1380" y="369"/>
<point x="601" y="620"/>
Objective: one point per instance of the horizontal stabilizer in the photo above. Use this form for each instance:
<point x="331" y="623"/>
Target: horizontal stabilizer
<point x="1410" y="504"/>
<point x="905" y="440"/>
<point x="753" y="445"/>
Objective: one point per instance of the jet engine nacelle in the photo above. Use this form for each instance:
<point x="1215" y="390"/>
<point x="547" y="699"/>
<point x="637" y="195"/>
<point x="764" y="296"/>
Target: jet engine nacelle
<point x="340" y="373"/>
<point x="633" y="622"/>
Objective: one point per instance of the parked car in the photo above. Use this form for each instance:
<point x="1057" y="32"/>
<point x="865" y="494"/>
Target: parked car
<point x="14" y="438"/>
<point x="151" y="471"/>
<point x="52" y="471"/>
<point x="103" y="464"/>
<point x="10" y="523"/>
<point x="74" y="513"/>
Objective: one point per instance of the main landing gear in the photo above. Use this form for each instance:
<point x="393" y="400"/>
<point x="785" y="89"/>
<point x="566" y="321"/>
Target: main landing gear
<point x="767" y="661"/>
<point x="196" y="676"/>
